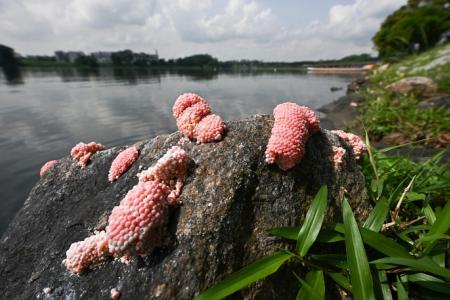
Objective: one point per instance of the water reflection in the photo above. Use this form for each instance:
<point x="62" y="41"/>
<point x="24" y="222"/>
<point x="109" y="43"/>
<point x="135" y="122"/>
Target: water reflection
<point x="12" y="75"/>
<point x="44" y="112"/>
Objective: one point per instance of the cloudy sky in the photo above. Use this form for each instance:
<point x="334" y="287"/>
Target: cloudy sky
<point x="268" y="30"/>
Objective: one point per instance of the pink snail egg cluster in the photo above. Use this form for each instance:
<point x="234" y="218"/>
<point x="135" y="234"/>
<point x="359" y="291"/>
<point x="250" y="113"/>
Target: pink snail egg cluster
<point x="115" y="293"/>
<point x="136" y="225"/>
<point x="170" y="169"/>
<point x="338" y="156"/>
<point x="83" y="152"/>
<point x="210" y="128"/>
<point x="191" y="117"/>
<point x="143" y="209"/>
<point x="47" y="166"/>
<point x="194" y="119"/>
<point x="354" y="141"/>
<point x="122" y="162"/>
<point x="292" y="127"/>
<point x="90" y="252"/>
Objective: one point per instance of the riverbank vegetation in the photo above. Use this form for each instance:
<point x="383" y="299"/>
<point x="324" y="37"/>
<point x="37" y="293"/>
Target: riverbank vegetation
<point x="398" y="117"/>
<point x="413" y="28"/>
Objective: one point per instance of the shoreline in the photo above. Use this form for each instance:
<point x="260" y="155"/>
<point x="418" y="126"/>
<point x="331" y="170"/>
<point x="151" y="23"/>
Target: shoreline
<point x="340" y="114"/>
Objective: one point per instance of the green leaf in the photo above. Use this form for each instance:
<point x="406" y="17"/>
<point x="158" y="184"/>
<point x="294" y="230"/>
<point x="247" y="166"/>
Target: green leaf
<point x="249" y="274"/>
<point x="429" y="214"/>
<point x="328" y="236"/>
<point x="360" y="275"/>
<point x="377" y="216"/>
<point x="413" y="196"/>
<point x="430" y="282"/>
<point x="382" y="283"/>
<point x="371" y="159"/>
<point x="402" y="294"/>
<point x="335" y="260"/>
<point x="424" y="264"/>
<point x="313" y="222"/>
<point x="434" y="237"/>
<point x="379" y="242"/>
<point x="290" y="233"/>
<point x="341" y="280"/>
<point x="313" y="287"/>
<point x="440" y="258"/>
<point x="383" y="244"/>
<point x="440" y="226"/>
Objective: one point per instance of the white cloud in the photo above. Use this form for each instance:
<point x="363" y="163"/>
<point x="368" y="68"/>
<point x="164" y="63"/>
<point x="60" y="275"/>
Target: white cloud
<point x="240" y="19"/>
<point x="356" y="22"/>
<point x="227" y="29"/>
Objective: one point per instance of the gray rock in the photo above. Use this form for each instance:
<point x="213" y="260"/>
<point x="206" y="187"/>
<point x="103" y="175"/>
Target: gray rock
<point x="231" y="197"/>
<point x="438" y="101"/>
<point x="419" y="85"/>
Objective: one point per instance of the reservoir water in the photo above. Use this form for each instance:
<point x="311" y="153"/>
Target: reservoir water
<point x="45" y="112"/>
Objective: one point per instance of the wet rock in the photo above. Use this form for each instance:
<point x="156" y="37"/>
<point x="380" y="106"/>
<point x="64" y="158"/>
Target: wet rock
<point x="422" y="86"/>
<point x="336" y="88"/>
<point x="435" y="102"/>
<point x="340" y="113"/>
<point x="358" y="84"/>
<point x="231" y="197"/>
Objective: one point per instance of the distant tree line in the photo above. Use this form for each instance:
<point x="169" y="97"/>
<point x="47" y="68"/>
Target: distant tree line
<point x="129" y="58"/>
<point x="414" y="27"/>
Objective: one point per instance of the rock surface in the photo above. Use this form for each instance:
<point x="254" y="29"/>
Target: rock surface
<point x="231" y="197"/>
<point x="419" y="85"/>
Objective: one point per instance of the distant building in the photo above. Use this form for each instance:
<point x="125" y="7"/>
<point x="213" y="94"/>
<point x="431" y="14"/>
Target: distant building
<point x="73" y="55"/>
<point x="69" y="56"/>
<point x="102" y="57"/>
<point x="60" y="56"/>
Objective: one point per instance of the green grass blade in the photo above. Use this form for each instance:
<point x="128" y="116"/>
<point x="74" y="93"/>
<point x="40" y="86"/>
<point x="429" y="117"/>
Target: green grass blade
<point x="429" y="214"/>
<point x="371" y="159"/>
<point x="379" y="242"/>
<point x="377" y="216"/>
<point x="383" y="244"/>
<point x="430" y="282"/>
<point x="290" y="233"/>
<point x="434" y="237"/>
<point x="329" y="236"/>
<point x="249" y="274"/>
<point x="341" y="280"/>
<point x="313" y="222"/>
<point x="360" y="275"/>
<point x="440" y="226"/>
<point x="313" y="287"/>
<point x="402" y="294"/>
<point x="424" y="264"/>
<point x="382" y="290"/>
<point x="335" y="260"/>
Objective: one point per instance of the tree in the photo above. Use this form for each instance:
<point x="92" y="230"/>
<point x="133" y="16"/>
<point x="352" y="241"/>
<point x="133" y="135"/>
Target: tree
<point x="88" y="61"/>
<point x="122" y="58"/>
<point x="414" y="27"/>
<point x="7" y="57"/>
<point x="198" y="60"/>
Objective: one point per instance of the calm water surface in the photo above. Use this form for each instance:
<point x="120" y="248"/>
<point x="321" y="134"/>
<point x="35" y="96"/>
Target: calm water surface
<point x="43" y="113"/>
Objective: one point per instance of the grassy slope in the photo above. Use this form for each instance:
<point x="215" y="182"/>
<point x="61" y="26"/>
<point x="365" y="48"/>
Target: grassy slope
<point x="384" y="113"/>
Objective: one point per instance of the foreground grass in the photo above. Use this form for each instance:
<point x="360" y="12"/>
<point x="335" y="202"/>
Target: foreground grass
<point x="385" y="113"/>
